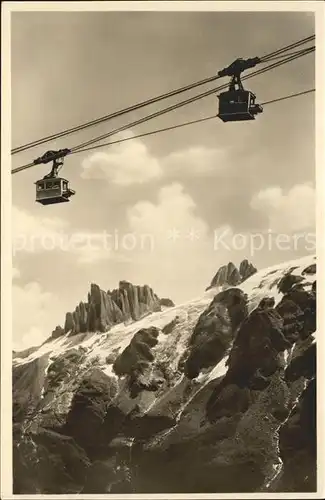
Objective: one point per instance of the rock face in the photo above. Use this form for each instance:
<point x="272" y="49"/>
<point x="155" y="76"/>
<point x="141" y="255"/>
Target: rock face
<point x="246" y="270"/>
<point x="88" y="408"/>
<point x="230" y="275"/>
<point x="214" y="331"/>
<point x="50" y="463"/>
<point x="135" y="362"/>
<point x="226" y="275"/>
<point x="181" y="401"/>
<point x="57" y="332"/>
<point x="106" y="309"/>
<point x="166" y="303"/>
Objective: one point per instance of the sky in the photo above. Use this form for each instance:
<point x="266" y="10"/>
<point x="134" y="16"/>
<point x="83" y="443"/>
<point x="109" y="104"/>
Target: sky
<point x="168" y="209"/>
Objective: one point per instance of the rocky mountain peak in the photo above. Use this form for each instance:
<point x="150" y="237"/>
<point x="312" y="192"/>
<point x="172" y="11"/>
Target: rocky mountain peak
<point x="103" y="309"/>
<point x="230" y="275"/>
<point x="246" y="269"/>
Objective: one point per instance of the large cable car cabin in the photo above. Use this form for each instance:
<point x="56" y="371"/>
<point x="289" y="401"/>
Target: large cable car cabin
<point x="237" y="104"/>
<point x="52" y="189"/>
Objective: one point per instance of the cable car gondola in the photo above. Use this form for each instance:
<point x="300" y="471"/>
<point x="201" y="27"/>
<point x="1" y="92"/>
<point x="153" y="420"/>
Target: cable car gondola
<point x="238" y="104"/>
<point x="52" y="188"/>
<point x="50" y="191"/>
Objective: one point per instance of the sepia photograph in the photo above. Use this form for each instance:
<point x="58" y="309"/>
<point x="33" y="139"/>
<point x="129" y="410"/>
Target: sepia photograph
<point x="159" y="203"/>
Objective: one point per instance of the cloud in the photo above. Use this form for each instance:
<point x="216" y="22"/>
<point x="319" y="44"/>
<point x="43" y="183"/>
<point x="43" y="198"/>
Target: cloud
<point x="195" y="161"/>
<point x="24" y="222"/>
<point x="181" y="245"/>
<point x="130" y="162"/>
<point x="35" y="234"/>
<point x="31" y="233"/>
<point x="96" y="247"/>
<point x="123" y="164"/>
<point x="174" y="209"/>
<point x="35" y="312"/>
<point x="290" y="211"/>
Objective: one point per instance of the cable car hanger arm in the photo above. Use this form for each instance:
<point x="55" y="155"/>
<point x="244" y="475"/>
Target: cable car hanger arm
<point x="238" y="66"/>
<point x="51" y="156"/>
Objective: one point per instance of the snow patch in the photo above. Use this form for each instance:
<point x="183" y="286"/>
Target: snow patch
<point x="218" y="371"/>
<point x="278" y="467"/>
<point x="108" y="370"/>
<point x="288" y="355"/>
<point x="264" y="283"/>
<point x="55" y="346"/>
<point x="50" y="359"/>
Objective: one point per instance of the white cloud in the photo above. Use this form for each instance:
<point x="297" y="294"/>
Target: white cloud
<point x="31" y="233"/>
<point x="289" y="211"/>
<point x="182" y="245"/>
<point x="195" y="161"/>
<point x="174" y="210"/>
<point x="123" y="164"/>
<point x="34" y="315"/>
<point x="24" y="222"/>
<point x="130" y="163"/>
<point x="96" y="247"/>
<point x="37" y="234"/>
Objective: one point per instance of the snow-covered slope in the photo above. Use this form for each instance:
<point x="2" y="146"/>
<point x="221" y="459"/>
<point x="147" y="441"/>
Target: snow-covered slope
<point x="119" y="336"/>
<point x="195" y="376"/>
<point x="262" y="284"/>
<point x="265" y="282"/>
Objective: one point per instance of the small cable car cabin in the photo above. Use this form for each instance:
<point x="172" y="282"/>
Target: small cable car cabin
<point x="238" y="105"/>
<point x="53" y="190"/>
